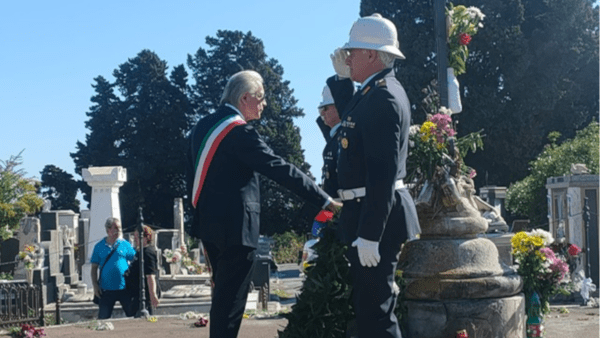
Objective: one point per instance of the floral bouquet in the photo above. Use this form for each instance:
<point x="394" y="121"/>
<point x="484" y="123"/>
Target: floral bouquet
<point x="172" y="256"/>
<point x="26" y="331"/>
<point x="462" y="23"/>
<point x="433" y="146"/>
<point x="27" y="256"/>
<point x="543" y="270"/>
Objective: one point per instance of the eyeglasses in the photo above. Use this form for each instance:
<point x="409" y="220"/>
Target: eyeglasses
<point x="259" y="96"/>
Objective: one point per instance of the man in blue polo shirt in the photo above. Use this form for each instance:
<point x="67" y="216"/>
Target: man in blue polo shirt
<point x="110" y="287"/>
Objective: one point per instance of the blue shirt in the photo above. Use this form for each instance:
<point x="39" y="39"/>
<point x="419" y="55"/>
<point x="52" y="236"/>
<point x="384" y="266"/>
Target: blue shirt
<point x="112" y="277"/>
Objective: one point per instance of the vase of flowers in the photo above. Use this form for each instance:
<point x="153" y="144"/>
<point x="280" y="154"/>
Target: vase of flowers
<point x="544" y="272"/>
<point x="462" y="24"/>
<point x="173" y="257"/>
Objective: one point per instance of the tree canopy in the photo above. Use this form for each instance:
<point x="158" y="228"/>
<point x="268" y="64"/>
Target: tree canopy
<point x="228" y="53"/>
<point x="18" y="197"/>
<point x="527" y="197"/>
<point x="60" y="188"/>
<point x="531" y="70"/>
<point x="142" y="128"/>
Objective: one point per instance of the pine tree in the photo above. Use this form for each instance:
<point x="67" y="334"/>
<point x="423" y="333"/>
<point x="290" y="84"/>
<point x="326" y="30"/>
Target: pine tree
<point x="60" y="188"/>
<point x="143" y="130"/>
<point x="228" y="53"/>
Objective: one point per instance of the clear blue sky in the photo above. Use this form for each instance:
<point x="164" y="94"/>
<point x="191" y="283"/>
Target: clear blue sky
<point x="50" y="51"/>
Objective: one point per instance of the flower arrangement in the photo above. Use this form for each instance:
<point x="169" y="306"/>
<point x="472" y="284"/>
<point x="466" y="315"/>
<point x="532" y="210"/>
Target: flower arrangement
<point x="462" y="23"/>
<point x="172" y="256"/>
<point x="433" y="145"/>
<point x="27" y="256"/>
<point x="543" y="270"/>
<point x="26" y="331"/>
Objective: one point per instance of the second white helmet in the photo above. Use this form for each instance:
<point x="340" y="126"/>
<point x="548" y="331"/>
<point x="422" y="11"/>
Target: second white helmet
<point x="326" y="97"/>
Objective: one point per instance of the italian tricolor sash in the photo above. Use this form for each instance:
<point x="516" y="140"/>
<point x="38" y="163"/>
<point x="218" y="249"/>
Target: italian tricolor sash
<point x="207" y="150"/>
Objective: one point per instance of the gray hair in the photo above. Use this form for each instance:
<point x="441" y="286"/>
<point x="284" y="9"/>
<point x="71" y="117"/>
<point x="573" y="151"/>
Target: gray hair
<point x="386" y="58"/>
<point x="246" y="81"/>
<point x="110" y="221"/>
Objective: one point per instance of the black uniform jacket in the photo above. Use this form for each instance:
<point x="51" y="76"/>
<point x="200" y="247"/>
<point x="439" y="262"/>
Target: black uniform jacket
<point x="373" y="147"/>
<point x="228" y="208"/>
<point x="344" y="91"/>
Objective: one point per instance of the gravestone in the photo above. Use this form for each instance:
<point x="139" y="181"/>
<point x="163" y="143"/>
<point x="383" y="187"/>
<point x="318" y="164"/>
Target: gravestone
<point x="48" y="221"/>
<point x="29" y="232"/>
<point x="9" y="249"/>
<point x="164" y="240"/>
<point x="178" y="215"/>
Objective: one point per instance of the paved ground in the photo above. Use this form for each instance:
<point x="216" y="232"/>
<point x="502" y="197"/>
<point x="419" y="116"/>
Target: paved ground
<point x="580" y="322"/>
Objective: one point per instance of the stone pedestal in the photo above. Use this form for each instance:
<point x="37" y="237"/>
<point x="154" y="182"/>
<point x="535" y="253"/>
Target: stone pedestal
<point x="105" y="183"/>
<point x="455" y="279"/>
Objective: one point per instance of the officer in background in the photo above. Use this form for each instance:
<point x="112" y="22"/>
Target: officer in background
<point x="373" y="147"/>
<point x="329" y="123"/>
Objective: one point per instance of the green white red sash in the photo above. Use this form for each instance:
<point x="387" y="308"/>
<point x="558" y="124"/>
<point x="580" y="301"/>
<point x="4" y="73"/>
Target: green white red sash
<point x="207" y="150"/>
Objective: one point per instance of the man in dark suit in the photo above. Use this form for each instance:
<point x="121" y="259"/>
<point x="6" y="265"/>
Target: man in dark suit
<point x="373" y="147"/>
<point x="226" y="154"/>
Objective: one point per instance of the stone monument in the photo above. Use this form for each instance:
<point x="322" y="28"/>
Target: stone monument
<point x="105" y="183"/>
<point x="455" y="279"/>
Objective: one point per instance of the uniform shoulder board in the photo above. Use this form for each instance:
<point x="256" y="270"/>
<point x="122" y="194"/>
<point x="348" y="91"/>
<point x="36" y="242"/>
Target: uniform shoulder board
<point x="380" y="83"/>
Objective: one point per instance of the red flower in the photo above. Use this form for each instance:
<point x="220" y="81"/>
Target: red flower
<point x="201" y="322"/>
<point x="574" y="250"/>
<point x="324" y="216"/>
<point x="464" y="39"/>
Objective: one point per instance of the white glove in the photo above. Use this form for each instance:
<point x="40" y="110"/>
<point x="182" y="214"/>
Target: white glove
<point x="368" y="252"/>
<point x="338" y="59"/>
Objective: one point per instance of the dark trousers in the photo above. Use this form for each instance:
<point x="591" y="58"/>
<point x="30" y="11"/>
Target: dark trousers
<point x="108" y="300"/>
<point x="373" y="295"/>
<point x="232" y="269"/>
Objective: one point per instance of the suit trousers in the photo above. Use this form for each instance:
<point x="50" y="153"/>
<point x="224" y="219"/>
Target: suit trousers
<point x="232" y="269"/>
<point x="373" y="295"/>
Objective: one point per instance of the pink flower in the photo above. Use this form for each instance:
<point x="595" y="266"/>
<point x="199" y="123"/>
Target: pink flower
<point x="472" y="173"/>
<point x="574" y="250"/>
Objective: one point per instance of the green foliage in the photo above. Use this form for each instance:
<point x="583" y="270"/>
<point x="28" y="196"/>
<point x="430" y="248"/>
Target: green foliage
<point x="60" y="188"/>
<point x="143" y="129"/>
<point x="286" y="247"/>
<point x="533" y="69"/>
<point x="527" y="197"/>
<point x="324" y="307"/>
<point x="18" y="196"/>
<point x="6" y="276"/>
<point x="463" y="21"/>
<point x="229" y="52"/>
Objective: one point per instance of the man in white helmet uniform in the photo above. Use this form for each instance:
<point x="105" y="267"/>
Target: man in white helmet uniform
<point x="373" y="147"/>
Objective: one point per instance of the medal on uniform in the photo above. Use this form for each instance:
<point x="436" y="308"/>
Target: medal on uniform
<point x="344" y="143"/>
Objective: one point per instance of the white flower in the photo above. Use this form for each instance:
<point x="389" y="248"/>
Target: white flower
<point x="545" y="235"/>
<point x="475" y="13"/>
<point x="445" y="111"/>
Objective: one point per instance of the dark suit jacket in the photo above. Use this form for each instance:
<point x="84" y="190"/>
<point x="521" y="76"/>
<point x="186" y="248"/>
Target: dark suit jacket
<point x="228" y="209"/>
<point x="373" y="150"/>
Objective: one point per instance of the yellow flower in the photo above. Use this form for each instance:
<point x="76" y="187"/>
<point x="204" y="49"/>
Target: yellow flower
<point x="152" y="319"/>
<point x="537" y="241"/>
<point x="246" y="316"/>
<point x="30" y="248"/>
<point x="22" y="254"/>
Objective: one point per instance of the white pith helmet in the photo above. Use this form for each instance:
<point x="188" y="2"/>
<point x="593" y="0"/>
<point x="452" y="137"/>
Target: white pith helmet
<point x="374" y="32"/>
<point x="326" y="97"/>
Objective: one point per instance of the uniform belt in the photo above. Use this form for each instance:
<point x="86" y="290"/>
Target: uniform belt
<point x="350" y="194"/>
